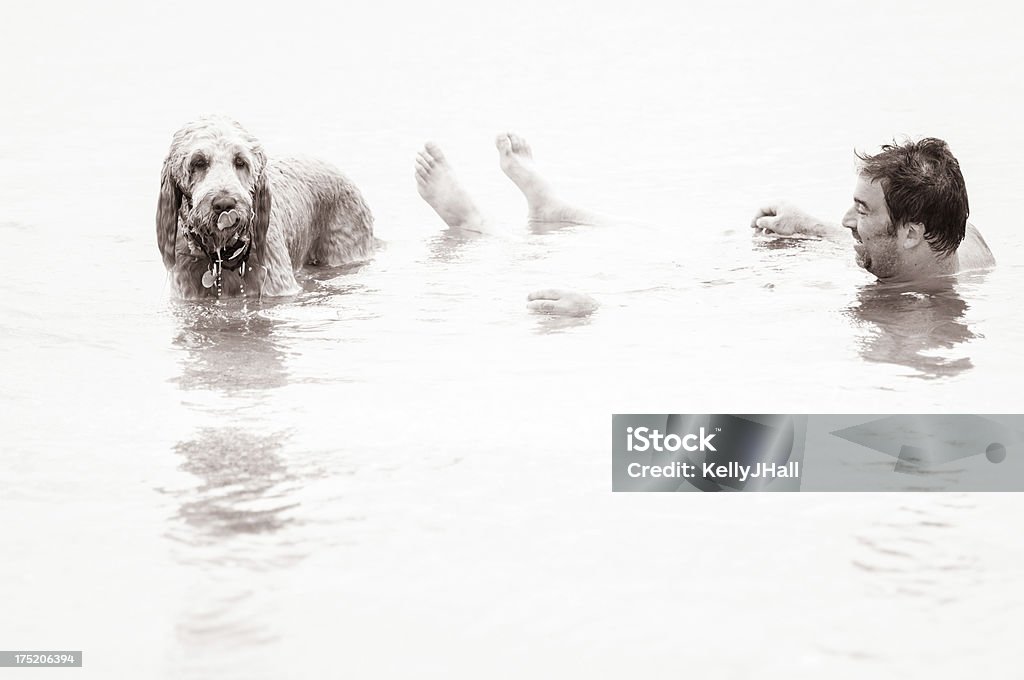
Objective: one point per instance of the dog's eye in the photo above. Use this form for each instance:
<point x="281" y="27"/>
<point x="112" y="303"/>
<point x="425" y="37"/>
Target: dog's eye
<point x="240" y="163"/>
<point x="198" y="163"/>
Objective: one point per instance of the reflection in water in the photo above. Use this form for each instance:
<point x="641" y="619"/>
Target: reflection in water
<point x="795" y="242"/>
<point x="447" y="246"/>
<point x="238" y="521"/>
<point x="537" y="227"/>
<point x="331" y="280"/>
<point x="229" y="347"/>
<point x="554" y="323"/>
<point x="908" y="326"/>
<point x="241" y="475"/>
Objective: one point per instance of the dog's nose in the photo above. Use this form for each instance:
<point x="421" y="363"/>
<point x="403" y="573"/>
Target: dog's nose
<point x="224" y="203"/>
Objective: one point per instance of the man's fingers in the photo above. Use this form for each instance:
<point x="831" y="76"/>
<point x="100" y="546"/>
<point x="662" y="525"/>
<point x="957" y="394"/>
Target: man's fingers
<point x="765" y="211"/>
<point x="767" y="223"/>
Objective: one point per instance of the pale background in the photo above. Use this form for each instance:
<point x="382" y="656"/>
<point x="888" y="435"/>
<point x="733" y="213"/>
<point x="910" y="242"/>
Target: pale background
<point x="402" y="473"/>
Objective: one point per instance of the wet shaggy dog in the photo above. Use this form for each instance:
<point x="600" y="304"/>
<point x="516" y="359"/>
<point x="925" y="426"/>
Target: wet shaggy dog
<point x="231" y="222"/>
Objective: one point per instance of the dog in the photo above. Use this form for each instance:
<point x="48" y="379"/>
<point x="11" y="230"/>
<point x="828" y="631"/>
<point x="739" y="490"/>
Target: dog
<point x="231" y="222"/>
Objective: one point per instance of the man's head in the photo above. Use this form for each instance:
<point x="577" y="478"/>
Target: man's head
<point x="910" y="209"/>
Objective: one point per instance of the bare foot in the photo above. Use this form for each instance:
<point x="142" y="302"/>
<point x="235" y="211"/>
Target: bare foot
<point x="516" y="159"/>
<point x="439" y="188"/>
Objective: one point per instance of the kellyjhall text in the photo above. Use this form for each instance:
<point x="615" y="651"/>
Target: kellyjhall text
<point x="642" y="439"/>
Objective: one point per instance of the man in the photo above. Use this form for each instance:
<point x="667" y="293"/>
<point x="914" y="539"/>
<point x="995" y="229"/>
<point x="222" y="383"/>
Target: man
<point x="908" y="219"/>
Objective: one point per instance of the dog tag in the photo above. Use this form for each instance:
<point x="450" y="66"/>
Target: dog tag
<point x="207" y="279"/>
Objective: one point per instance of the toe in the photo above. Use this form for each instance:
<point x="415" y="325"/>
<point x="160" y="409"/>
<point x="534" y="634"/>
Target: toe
<point x="504" y="143"/>
<point x="520" y="146"/>
<point x="435" y="151"/>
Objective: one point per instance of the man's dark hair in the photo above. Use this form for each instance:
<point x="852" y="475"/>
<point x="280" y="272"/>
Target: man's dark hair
<point x="922" y="183"/>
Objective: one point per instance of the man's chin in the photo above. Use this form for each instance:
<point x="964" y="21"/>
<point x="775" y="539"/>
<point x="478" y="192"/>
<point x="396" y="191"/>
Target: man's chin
<point x="863" y="259"/>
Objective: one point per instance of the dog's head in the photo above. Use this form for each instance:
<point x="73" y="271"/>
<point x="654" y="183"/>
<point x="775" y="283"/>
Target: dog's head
<point x="214" y="180"/>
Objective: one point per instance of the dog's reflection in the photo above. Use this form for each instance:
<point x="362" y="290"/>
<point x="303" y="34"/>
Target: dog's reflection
<point x="230" y="350"/>
<point x="230" y="347"/>
<point x="914" y="328"/>
<point x="243" y="485"/>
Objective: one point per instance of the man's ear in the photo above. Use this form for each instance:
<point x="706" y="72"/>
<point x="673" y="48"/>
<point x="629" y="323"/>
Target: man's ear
<point x="913" y="235"/>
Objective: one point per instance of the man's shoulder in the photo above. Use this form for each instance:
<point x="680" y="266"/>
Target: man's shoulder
<point x="973" y="252"/>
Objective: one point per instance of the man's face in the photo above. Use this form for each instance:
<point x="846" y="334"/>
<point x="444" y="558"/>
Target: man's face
<point x="868" y="220"/>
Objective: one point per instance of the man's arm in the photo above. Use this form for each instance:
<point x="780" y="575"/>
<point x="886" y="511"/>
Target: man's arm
<point x="786" y="220"/>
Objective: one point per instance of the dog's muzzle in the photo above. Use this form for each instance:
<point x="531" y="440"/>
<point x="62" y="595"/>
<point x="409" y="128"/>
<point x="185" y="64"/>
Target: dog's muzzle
<point x="227" y="244"/>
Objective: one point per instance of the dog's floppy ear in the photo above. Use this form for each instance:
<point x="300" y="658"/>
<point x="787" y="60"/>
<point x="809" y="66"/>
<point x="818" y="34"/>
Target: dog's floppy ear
<point x="167" y="214"/>
<point x="261" y="202"/>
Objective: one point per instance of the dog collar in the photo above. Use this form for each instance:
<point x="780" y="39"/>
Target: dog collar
<point x="237" y="260"/>
<point x="235" y="257"/>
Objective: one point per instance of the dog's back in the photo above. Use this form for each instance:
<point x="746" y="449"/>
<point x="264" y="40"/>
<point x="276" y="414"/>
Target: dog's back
<point x="319" y="212"/>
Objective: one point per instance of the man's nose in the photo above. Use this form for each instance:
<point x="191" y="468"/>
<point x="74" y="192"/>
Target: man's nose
<point x="224" y="203"/>
<point x="850" y="218"/>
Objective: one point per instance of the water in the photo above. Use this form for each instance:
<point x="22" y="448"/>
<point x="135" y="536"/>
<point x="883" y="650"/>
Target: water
<point x="402" y="471"/>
